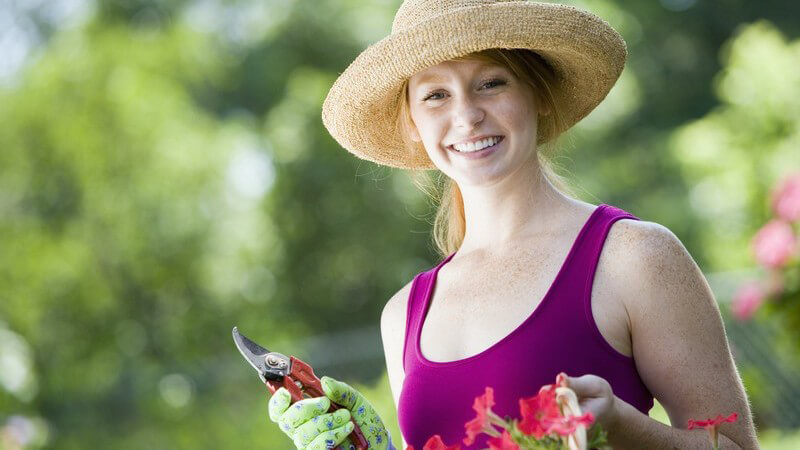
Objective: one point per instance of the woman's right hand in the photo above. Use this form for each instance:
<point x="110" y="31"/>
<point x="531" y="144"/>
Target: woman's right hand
<point x="307" y="422"/>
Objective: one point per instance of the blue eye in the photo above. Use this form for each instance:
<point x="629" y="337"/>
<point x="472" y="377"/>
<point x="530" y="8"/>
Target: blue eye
<point x="496" y="82"/>
<point x="430" y="96"/>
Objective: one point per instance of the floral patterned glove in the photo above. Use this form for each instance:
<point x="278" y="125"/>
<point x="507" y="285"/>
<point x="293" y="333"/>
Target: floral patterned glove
<point x="307" y="421"/>
<point x="310" y="427"/>
<point x="363" y="413"/>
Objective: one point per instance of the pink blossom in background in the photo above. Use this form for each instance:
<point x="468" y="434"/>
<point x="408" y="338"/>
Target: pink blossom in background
<point x="786" y="199"/>
<point x="774" y="244"/>
<point x="747" y="300"/>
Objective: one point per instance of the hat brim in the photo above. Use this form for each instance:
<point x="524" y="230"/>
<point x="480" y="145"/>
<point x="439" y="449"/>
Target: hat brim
<point x="360" y="110"/>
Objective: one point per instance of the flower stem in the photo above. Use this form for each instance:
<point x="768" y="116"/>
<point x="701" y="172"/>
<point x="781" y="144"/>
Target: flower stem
<point x="494" y="419"/>
<point x="491" y="431"/>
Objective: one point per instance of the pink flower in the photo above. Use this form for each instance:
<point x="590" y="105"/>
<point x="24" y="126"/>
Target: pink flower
<point x="774" y="244"/>
<point x="482" y="423"/>
<point x="436" y="443"/>
<point x="747" y="300"/>
<point x="539" y="411"/>
<point x="565" y="426"/>
<point x="504" y="442"/>
<point x="712" y="425"/>
<point x="786" y="199"/>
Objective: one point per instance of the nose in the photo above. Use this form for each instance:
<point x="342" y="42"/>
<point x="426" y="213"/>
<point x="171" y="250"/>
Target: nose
<point x="467" y="113"/>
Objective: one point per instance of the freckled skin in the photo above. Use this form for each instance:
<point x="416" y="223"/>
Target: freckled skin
<point x="464" y="106"/>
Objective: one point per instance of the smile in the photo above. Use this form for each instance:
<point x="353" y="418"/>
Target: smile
<point x="476" y="146"/>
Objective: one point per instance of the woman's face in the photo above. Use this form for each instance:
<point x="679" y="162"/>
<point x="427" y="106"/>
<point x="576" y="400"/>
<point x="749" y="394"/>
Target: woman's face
<point x="456" y="104"/>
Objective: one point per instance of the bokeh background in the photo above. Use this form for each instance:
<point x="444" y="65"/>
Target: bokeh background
<point x="165" y="175"/>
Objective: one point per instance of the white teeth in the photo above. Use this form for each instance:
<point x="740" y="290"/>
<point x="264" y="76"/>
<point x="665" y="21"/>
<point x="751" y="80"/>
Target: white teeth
<point x="479" y="145"/>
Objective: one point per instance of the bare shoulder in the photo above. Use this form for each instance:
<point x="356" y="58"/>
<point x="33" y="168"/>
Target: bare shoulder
<point x="393" y="327"/>
<point x="629" y="237"/>
<point x="637" y="251"/>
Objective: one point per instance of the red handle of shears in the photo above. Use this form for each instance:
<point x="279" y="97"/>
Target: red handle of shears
<point x="309" y="383"/>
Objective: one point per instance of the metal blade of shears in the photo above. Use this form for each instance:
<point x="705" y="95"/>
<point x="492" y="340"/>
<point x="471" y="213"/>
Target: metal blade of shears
<point x="257" y="355"/>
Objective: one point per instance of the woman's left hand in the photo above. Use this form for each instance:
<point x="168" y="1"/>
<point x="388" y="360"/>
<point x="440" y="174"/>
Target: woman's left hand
<point x="596" y="396"/>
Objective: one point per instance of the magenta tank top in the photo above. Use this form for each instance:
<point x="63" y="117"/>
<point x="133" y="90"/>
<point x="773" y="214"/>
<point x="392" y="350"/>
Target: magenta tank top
<point x="559" y="335"/>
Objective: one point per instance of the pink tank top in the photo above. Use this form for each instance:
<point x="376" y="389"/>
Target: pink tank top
<point x="559" y="335"/>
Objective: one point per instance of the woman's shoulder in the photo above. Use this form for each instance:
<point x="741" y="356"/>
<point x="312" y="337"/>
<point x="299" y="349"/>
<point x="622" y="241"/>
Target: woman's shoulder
<point x="643" y="241"/>
<point x="395" y="309"/>
<point x="650" y="258"/>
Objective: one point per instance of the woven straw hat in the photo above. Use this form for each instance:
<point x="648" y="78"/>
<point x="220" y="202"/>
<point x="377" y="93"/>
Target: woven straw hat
<point x="360" y="110"/>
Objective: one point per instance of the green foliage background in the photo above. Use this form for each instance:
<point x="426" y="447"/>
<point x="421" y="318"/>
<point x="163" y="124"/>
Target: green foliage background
<point x="165" y="175"/>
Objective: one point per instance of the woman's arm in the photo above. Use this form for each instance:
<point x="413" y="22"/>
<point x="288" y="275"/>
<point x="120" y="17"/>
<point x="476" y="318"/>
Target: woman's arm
<point x="679" y="345"/>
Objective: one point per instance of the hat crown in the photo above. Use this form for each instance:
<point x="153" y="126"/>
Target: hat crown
<point x="412" y="12"/>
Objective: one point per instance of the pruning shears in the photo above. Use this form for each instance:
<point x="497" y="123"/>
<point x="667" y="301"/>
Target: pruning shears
<point x="277" y="370"/>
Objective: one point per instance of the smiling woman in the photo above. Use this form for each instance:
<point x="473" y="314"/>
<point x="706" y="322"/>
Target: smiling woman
<point x="524" y="65"/>
<point x="526" y="70"/>
<point x="532" y="281"/>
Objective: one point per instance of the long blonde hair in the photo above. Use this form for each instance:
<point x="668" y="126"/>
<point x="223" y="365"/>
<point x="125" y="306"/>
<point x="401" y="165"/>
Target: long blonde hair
<point x="449" y="224"/>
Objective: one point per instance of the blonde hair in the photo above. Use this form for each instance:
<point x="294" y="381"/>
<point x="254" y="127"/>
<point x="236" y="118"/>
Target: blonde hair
<point x="449" y="224"/>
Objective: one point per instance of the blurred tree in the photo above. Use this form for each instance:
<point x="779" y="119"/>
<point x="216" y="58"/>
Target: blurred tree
<point x="674" y="53"/>
<point x="117" y="204"/>
<point x="732" y="157"/>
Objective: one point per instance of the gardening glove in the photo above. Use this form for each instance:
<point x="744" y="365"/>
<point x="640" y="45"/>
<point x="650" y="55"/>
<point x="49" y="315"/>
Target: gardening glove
<point x="307" y="422"/>
<point x="310" y="427"/>
<point x="363" y="413"/>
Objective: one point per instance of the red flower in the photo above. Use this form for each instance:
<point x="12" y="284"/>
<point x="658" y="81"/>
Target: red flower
<point x="564" y="426"/>
<point x="712" y="422"/>
<point x="473" y="428"/>
<point x="712" y="425"/>
<point x="484" y="403"/>
<point x="539" y="411"/>
<point x="436" y="443"/>
<point x="504" y="442"/>
<point x="482" y="422"/>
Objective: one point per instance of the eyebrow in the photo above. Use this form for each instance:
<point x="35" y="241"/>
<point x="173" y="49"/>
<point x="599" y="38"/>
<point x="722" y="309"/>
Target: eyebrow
<point x="434" y="77"/>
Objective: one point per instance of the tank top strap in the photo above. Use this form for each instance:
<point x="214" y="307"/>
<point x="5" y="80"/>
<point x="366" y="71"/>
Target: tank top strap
<point x="420" y="290"/>
<point x="588" y="254"/>
<point x="583" y="267"/>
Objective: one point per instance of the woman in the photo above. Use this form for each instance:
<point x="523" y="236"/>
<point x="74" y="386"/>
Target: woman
<point x="534" y="282"/>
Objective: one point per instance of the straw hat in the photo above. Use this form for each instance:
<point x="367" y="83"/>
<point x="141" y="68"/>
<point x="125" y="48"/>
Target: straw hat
<point x="360" y="110"/>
